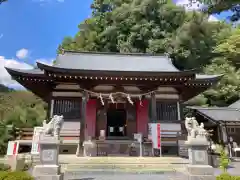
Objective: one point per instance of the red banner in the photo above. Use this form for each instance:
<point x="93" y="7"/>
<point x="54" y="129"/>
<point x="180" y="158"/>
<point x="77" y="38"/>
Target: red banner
<point x="158" y="136"/>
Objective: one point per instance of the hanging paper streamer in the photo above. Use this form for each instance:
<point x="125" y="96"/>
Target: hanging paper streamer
<point x="129" y="99"/>
<point x="111" y="97"/>
<point x="140" y="100"/>
<point x="101" y="98"/>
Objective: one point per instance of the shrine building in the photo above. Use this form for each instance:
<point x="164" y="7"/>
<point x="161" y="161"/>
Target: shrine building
<point x="118" y="93"/>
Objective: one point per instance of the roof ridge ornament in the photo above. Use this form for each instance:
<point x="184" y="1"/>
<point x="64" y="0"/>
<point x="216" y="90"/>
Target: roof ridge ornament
<point x="166" y="54"/>
<point x="62" y="51"/>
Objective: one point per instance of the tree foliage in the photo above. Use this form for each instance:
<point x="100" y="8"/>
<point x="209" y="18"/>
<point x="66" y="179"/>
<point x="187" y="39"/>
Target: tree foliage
<point x="22" y="109"/>
<point x="156" y="26"/>
<point x="18" y="109"/>
<point x="147" y="26"/>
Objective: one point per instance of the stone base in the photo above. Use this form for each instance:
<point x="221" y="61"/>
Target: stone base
<point x="46" y="171"/>
<point x="51" y="177"/>
<point x="16" y="162"/>
<point x="200" y="172"/>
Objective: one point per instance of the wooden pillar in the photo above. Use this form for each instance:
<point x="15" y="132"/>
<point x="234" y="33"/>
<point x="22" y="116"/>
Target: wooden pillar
<point x="50" y="106"/>
<point x="219" y="134"/>
<point x="83" y="125"/>
<point x="179" y="113"/>
<point x="153" y="108"/>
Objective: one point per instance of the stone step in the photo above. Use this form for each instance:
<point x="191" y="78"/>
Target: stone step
<point x="123" y="160"/>
<point x="123" y="166"/>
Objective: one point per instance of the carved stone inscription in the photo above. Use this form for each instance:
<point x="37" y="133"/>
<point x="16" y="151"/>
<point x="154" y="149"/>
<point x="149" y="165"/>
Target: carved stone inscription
<point x="48" y="155"/>
<point x="199" y="156"/>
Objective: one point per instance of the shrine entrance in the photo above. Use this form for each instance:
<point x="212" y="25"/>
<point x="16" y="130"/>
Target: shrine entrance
<point x="116" y="122"/>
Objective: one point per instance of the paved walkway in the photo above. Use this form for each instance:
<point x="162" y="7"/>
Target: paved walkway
<point x="126" y="176"/>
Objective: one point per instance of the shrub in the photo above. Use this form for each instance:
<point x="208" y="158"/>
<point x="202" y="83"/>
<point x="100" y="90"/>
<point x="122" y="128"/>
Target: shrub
<point x="226" y="176"/>
<point x="4" y="167"/>
<point x="15" y="176"/>
<point x="3" y="174"/>
<point x="224" y="160"/>
<point x="27" y="166"/>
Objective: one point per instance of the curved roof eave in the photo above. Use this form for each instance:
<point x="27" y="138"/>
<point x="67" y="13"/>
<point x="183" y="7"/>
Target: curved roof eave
<point x="206" y="78"/>
<point x="55" y="69"/>
<point x="25" y="72"/>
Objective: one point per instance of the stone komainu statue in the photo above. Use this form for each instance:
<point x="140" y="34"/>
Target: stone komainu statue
<point x="54" y="127"/>
<point x="193" y="128"/>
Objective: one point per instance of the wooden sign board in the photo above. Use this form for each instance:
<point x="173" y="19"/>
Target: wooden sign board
<point x="138" y="137"/>
<point x="155" y="134"/>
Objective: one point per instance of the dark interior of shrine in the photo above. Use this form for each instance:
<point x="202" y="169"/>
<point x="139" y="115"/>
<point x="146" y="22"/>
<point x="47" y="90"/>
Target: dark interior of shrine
<point x="116" y="122"/>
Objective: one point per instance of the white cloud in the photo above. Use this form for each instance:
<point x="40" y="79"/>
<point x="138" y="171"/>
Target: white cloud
<point x="22" y="53"/>
<point x="5" y="78"/>
<point x="1" y="35"/>
<point x="212" y="18"/>
<point x="188" y="5"/>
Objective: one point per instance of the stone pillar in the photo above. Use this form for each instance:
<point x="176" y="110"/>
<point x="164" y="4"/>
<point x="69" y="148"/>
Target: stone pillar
<point x="49" y="167"/>
<point x="199" y="167"/>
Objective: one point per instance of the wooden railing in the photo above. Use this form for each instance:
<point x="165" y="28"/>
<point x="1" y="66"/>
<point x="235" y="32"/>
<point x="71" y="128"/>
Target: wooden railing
<point x="73" y="134"/>
<point x="27" y="133"/>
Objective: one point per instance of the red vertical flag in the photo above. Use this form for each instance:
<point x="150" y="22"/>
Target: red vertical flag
<point x="158" y="136"/>
<point x="15" y="148"/>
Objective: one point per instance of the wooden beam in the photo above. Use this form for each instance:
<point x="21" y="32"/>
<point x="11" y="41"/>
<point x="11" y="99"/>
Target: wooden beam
<point x="121" y="82"/>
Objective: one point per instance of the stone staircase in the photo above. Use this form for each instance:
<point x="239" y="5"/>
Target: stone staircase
<point x="129" y="164"/>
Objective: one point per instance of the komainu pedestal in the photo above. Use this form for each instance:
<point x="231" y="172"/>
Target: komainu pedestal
<point x="49" y="167"/>
<point x="49" y="142"/>
<point x="197" y="143"/>
<point x="198" y="167"/>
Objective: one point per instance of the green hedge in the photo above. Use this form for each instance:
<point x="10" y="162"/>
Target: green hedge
<point x="226" y="176"/>
<point x="4" y="167"/>
<point x="4" y="175"/>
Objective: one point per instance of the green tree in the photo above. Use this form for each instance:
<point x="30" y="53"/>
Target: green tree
<point x="147" y="26"/>
<point x="230" y="49"/>
<point x="22" y="109"/>
<point x="193" y="43"/>
<point x="227" y="90"/>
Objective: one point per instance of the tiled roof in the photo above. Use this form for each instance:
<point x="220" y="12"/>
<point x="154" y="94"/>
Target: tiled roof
<point x="115" y="62"/>
<point x="235" y="105"/>
<point x="219" y="113"/>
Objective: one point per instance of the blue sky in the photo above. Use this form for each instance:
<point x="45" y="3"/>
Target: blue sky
<point x="31" y="30"/>
<point x="38" y="25"/>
